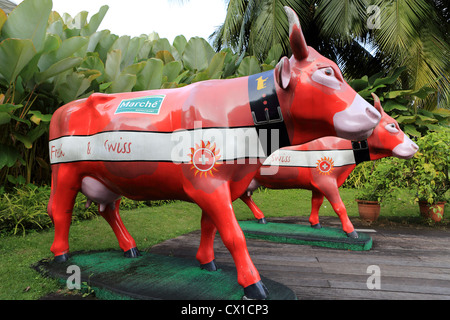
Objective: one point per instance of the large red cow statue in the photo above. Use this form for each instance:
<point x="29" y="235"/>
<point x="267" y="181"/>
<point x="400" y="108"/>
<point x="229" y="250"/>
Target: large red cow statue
<point x="201" y="143"/>
<point x="324" y="164"/>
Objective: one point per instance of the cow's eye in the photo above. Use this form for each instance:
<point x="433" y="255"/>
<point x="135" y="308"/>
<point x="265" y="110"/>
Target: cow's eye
<point x="326" y="77"/>
<point x="392" y="128"/>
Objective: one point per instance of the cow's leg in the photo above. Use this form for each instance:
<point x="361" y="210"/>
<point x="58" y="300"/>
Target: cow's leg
<point x="126" y="241"/>
<point x="248" y="200"/>
<point x="218" y="206"/>
<point x="340" y="209"/>
<point x="330" y="190"/>
<point x="205" y="253"/>
<point x="65" y="187"/>
<point x="316" y="203"/>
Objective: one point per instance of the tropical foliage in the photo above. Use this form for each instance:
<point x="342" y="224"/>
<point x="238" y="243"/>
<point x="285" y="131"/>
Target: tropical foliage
<point x="427" y="173"/>
<point x="431" y="167"/>
<point x="415" y="34"/>
<point x="400" y="104"/>
<point x="25" y="209"/>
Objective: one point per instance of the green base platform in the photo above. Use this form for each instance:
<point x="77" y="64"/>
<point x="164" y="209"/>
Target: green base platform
<point x="302" y="234"/>
<point x="151" y="276"/>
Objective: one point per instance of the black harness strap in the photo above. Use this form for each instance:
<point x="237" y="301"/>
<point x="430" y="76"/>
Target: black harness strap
<point x="361" y="151"/>
<point x="266" y="111"/>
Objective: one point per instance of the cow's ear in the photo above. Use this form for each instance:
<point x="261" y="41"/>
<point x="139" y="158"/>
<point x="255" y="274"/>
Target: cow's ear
<point x="283" y="73"/>
<point x="297" y="39"/>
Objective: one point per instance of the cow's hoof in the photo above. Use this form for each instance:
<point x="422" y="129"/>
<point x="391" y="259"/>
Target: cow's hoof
<point x="132" y="253"/>
<point x="316" y="226"/>
<point x="262" y="221"/>
<point x="210" y="266"/>
<point x="353" y="235"/>
<point x="256" y="291"/>
<point x="61" y="258"/>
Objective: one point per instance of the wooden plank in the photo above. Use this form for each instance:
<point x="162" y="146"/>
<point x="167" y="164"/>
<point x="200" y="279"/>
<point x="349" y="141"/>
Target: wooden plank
<point x="395" y="285"/>
<point x="413" y="261"/>
<point x="386" y="270"/>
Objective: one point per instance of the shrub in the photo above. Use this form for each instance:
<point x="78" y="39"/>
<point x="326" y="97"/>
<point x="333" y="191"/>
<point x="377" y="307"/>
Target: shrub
<point x="380" y="179"/>
<point x="25" y="209"/>
<point x="427" y="173"/>
<point x="431" y="167"/>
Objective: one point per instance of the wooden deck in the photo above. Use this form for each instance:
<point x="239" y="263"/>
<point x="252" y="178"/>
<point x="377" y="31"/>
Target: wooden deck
<point x="414" y="264"/>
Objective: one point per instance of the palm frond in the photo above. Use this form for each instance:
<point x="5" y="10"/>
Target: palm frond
<point x="255" y="25"/>
<point x="345" y="18"/>
<point x="269" y="28"/>
<point x="400" y="22"/>
<point x="228" y="34"/>
<point x="411" y="33"/>
<point x="428" y="66"/>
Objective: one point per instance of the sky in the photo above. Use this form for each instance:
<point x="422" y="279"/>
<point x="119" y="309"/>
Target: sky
<point x="168" y="18"/>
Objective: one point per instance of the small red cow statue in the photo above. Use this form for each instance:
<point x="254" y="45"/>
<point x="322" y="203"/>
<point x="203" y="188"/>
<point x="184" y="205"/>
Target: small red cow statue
<point x="202" y="143"/>
<point x="324" y="164"/>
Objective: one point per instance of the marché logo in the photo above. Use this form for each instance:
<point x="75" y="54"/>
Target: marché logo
<point x="147" y="105"/>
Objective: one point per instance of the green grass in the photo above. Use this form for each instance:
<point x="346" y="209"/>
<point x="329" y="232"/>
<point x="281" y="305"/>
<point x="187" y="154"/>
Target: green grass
<point x="151" y="225"/>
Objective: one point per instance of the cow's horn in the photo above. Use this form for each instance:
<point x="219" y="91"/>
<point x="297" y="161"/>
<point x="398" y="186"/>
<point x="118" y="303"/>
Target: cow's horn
<point x="377" y="103"/>
<point x="296" y="37"/>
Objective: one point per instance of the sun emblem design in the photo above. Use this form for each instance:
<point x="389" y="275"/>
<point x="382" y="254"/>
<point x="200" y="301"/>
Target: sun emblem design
<point x="325" y="165"/>
<point x="204" y="159"/>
